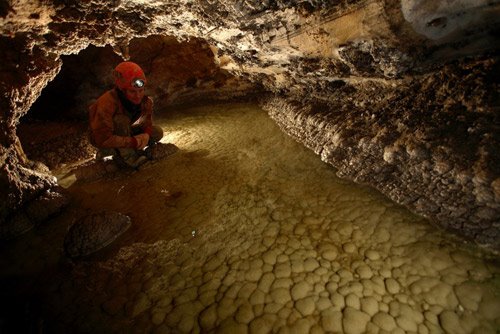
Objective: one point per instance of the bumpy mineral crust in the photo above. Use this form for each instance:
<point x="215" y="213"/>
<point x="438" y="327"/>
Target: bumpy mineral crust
<point x="429" y="145"/>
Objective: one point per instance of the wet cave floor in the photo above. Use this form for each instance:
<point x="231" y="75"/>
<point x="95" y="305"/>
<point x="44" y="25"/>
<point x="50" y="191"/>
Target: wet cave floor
<point x="245" y="230"/>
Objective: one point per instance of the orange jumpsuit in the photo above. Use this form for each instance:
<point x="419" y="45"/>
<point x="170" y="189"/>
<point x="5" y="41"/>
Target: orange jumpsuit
<point x="110" y="124"/>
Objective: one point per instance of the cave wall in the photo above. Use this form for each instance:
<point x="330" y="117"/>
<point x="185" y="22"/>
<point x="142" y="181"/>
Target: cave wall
<point x="176" y="71"/>
<point x="346" y="75"/>
<point x="430" y="146"/>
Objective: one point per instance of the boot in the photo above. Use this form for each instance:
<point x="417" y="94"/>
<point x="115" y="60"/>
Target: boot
<point x="103" y="153"/>
<point x="129" y="158"/>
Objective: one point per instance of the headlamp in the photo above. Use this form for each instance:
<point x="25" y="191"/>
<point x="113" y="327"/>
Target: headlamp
<point x="138" y="83"/>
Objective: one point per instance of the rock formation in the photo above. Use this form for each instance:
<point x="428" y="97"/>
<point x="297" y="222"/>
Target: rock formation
<point x="94" y="232"/>
<point x="401" y="95"/>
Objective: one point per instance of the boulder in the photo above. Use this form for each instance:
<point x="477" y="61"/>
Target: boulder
<point x="94" y="232"/>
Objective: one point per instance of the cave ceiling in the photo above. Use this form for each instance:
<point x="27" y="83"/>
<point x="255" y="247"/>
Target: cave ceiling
<point x="282" y="44"/>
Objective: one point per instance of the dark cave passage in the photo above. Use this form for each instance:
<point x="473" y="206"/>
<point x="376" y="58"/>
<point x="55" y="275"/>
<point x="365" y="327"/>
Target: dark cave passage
<point x="81" y="78"/>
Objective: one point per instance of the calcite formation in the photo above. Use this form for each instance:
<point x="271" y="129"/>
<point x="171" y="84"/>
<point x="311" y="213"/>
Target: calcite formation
<point x="415" y="141"/>
<point x="401" y="95"/>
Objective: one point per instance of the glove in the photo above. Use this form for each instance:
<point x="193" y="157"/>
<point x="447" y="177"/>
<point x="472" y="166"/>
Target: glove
<point x="142" y="140"/>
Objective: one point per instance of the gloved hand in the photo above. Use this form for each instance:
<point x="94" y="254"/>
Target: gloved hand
<point x="142" y="140"/>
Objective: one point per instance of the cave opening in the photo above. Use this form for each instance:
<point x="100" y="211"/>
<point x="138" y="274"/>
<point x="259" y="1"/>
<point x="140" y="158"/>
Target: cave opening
<point x="55" y="129"/>
<point x="82" y="76"/>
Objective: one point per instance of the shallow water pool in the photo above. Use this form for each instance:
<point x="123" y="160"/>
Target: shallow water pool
<point x="245" y="230"/>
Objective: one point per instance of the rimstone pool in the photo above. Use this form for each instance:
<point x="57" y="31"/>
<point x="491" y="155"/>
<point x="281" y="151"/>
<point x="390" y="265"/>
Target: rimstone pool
<point x="246" y="231"/>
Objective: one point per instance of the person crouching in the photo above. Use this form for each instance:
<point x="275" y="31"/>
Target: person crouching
<point x="121" y="120"/>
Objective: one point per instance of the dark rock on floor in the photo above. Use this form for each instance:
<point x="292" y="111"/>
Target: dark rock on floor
<point x="94" y="232"/>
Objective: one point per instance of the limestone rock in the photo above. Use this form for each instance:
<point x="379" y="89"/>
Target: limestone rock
<point x="37" y="211"/>
<point x="94" y="232"/>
